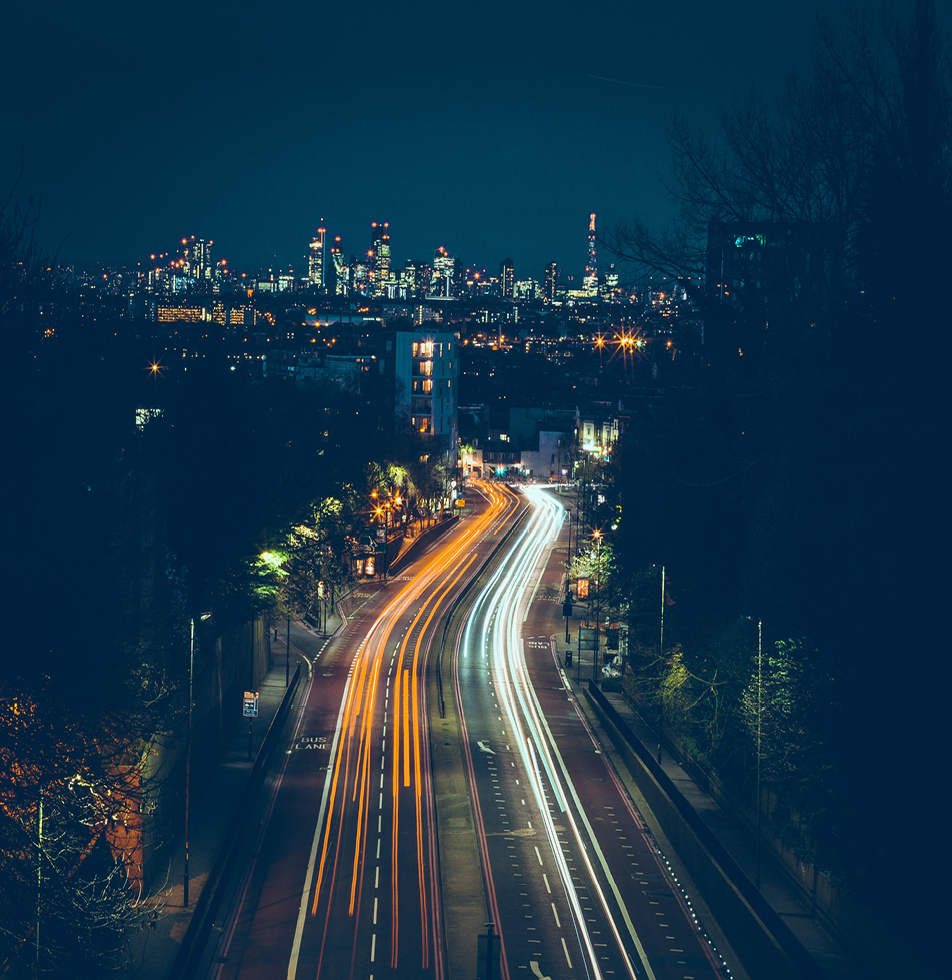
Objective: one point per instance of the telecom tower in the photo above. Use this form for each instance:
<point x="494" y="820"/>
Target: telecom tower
<point x="590" y="279"/>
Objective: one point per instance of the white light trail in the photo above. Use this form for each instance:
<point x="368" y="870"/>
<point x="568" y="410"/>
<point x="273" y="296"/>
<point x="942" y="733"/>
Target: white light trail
<point x="501" y="602"/>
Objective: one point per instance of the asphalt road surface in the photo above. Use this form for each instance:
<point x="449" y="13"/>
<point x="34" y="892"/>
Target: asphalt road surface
<point x="342" y="881"/>
<point x="342" y="878"/>
<point x="576" y="886"/>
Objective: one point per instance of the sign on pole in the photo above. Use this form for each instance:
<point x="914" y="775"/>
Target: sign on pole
<point x="581" y="589"/>
<point x="586" y="638"/>
<point x="250" y="704"/>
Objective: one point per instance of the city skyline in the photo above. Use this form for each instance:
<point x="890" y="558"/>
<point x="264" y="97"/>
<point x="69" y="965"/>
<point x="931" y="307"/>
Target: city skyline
<point x="492" y="133"/>
<point x="323" y="252"/>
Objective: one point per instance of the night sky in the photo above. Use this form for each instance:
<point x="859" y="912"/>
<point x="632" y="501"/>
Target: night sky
<point x="479" y="127"/>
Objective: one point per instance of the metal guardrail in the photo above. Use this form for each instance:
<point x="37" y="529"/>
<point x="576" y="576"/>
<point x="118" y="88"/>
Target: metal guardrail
<point x="779" y="929"/>
<point x="206" y="908"/>
<point x="459" y="599"/>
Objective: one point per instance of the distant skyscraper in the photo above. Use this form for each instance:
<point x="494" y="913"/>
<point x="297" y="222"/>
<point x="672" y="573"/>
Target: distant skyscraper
<point x="506" y="278"/>
<point x="315" y="259"/>
<point x="341" y="269"/>
<point x="379" y="256"/>
<point x="548" y="282"/>
<point x="590" y="279"/>
<point x="444" y="265"/>
<point x="198" y="258"/>
<point x="422" y="277"/>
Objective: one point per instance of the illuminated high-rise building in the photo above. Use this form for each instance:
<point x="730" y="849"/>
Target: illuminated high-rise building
<point x="341" y="269"/>
<point x="423" y="370"/>
<point x="506" y="278"/>
<point x="422" y="277"/>
<point x="379" y="256"/>
<point x="197" y="258"/>
<point x="315" y="259"/>
<point x="548" y="282"/>
<point x="360" y="275"/>
<point x="444" y="266"/>
<point x="590" y="279"/>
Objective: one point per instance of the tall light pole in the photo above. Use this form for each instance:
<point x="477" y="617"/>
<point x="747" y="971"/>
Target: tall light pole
<point x="39" y="883"/>
<point x="568" y="568"/>
<point x="661" y="658"/>
<point x="598" y="602"/>
<point x="760" y="680"/>
<point x="188" y="749"/>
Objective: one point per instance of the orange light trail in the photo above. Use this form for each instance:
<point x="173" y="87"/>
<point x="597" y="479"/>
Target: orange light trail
<point x="351" y="779"/>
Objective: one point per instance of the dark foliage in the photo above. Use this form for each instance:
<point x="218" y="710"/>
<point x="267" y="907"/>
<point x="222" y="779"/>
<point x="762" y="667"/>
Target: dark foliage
<point x="797" y="471"/>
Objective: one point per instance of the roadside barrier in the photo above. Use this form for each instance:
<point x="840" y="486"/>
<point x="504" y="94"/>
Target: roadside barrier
<point x="209" y="902"/>
<point x="766" y="947"/>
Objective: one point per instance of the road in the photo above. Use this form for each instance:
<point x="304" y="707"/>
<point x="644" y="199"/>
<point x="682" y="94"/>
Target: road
<point x="344" y="880"/>
<point x="576" y="886"/>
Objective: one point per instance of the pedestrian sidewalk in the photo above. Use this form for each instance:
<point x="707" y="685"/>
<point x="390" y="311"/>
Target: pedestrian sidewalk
<point x="213" y="803"/>
<point x="832" y="961"/>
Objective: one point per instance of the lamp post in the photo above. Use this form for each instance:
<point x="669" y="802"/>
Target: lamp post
<point x="661" y="658"/>
<point x="598" y="602"/>
<point x="188" y="748"/>
<point x="568" y="564"/>
<point x="39" y="883"/>
<point x="760" y="678"/>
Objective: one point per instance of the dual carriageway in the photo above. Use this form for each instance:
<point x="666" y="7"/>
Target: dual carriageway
<point x="345" y="879"/>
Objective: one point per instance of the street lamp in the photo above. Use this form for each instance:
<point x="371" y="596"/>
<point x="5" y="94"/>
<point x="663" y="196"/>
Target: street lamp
<point x="760" y="704"/>
<point x="568" y="567"/>
<point x="598" y="602"/>
<point x="661" y="659"/>
<point x="188" y="748"/>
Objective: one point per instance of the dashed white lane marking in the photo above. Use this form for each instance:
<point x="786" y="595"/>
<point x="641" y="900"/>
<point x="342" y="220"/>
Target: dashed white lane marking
<point x="378" y="858"/>
<point x="377" y="877"/>
<point x="565" y="950"/>
<point x="539" y="856"/>
<point x="545" y="878"/>
<point x="555" y="912"/>
<point x="375" y="911"/>
<point x="373" y="946"/>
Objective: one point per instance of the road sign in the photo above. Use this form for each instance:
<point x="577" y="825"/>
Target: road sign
<point x="581" y="589"/>
<point x="250" y="704"/>
<point x="586" y="638"/>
